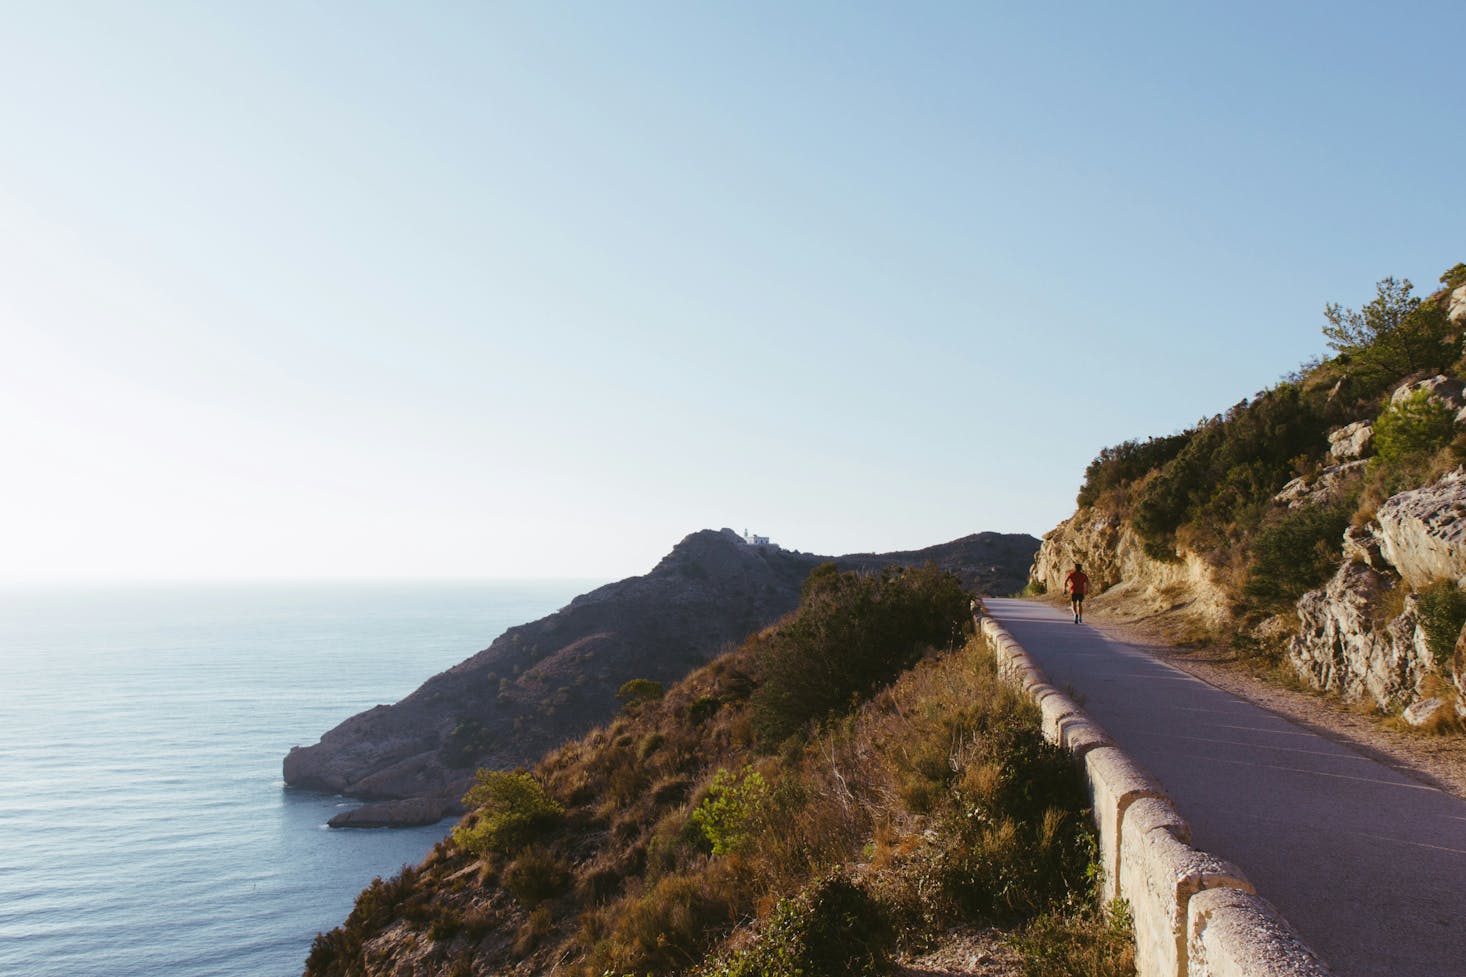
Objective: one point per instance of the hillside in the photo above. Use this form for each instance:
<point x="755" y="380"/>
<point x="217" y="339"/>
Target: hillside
<point x="1319" y="526"/>
<point x="833" y="793"/>
<point x="541" y="683"/>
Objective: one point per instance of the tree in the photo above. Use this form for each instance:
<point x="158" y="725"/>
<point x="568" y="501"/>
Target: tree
<point x="1391" y="336"/>
<point x="1455" y="276"/>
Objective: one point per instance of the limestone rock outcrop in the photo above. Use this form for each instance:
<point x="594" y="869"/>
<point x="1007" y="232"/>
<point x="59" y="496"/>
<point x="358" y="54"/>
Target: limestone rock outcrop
<point x="1318" y="489"/>
<point x="1456" y="310"/>
<point x="1341" y="647"/>
<point x="542" y="683"/>
<point x="1422" y="532"/>
<point x="1439" y="389"/>
<point x="1351" y="441"/>
<point x="1115" y="560"/>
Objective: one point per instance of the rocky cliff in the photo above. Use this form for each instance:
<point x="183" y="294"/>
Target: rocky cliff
<point x="1323" y="522"/>
<point x="542" y="683"/>
<point x="1124" y="576"/>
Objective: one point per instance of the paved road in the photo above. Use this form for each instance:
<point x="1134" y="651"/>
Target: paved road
<point x="1368" y="863"/>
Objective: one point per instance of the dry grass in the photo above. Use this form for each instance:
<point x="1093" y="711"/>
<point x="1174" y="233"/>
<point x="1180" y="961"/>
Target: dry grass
<point x="936" y="798"/>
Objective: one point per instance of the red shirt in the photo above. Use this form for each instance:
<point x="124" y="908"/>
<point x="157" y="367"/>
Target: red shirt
<point x="1077" y="582"/>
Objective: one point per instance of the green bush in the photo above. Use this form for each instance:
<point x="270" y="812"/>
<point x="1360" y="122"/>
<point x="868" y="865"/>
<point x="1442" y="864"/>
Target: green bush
<point x="512" y="809"/>
<point x="1297" y="550"/>
<point x="637" y="691"/>
<point x="1413" y="429"/>
<point x="852" y="634"/>
<point x="1455" y="276"/>
<point x="1442" y="608"/>
<point x="731" y="812"/>
<point x="1020" y="847"/>
<point x="1127" y="462"/>
<point x="832" y="929"/>
<point x="1222" y="482"/>
<point x="1086" y="945"/>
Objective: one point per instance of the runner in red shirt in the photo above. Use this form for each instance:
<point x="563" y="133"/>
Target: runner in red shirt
<point x="1076" y="585"/>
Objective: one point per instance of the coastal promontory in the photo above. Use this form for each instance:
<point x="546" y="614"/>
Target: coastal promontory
<point x="541" y="683"/>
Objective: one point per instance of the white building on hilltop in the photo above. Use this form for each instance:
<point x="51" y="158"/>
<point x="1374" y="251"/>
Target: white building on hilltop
<point x="753" y="540"/>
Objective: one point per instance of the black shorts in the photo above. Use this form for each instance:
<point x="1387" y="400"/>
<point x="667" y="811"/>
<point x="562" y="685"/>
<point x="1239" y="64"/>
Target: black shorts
<point x="1077" y="597"/>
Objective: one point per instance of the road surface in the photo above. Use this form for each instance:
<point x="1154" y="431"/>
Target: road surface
<point x="1367" y="862"/>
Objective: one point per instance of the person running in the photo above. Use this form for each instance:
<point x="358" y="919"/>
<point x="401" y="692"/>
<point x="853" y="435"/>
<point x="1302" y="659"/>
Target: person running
<point x="1076" y="585"/>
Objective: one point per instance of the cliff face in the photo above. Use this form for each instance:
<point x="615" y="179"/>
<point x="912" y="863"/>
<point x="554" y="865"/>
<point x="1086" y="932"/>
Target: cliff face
<point x="1353" y="573"/>
<point x="1124" y="577"/>
<point x="542" y="683"/>
<point x="1363" y="635"/>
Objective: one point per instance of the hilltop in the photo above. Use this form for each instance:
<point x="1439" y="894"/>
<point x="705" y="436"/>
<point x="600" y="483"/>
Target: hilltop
<point x="1318" y="528"/>
<point x="542" y="683"/>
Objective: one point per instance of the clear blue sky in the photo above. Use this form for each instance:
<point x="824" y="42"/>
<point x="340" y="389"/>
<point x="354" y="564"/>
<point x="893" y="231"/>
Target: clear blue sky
<point x="462" y="290"/>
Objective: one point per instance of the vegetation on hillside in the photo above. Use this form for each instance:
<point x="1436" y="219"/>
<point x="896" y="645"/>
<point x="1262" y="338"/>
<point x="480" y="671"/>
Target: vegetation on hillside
<point x="840" y="788"/>
<point x="1210" y="489"/>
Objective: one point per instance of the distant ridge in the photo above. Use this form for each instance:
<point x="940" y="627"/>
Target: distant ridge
<point x="544" y="682"/>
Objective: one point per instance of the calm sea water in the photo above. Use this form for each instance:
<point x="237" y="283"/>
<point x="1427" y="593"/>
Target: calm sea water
<point x="144" y="827"/>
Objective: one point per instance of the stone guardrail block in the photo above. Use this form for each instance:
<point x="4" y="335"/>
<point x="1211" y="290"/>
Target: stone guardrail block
<point x="1032" y="679"/>
<point x="1159" y="875"/>
<point x="1195" y="915"/>
<point x="1053" y="709"/>
<point x="1234" y="933"/>
<point x="1115" y="782"/>
<point x="1078" y="734"/>
<point x="1150" y="813"/>
<point x="1041" y="692"/>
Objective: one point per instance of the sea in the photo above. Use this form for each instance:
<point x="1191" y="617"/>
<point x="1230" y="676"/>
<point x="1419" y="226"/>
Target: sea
<point x="145" y="830"/>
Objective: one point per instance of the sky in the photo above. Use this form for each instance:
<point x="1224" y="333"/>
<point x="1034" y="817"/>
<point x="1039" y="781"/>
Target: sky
<point x="368" y="290"/>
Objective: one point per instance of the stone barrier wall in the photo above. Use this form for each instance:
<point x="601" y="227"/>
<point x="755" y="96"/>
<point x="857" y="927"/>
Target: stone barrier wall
<point x="1195" y="915"/>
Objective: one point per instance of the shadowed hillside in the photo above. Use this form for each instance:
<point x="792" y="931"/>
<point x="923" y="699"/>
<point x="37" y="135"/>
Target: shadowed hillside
<point x="541" y="683"/>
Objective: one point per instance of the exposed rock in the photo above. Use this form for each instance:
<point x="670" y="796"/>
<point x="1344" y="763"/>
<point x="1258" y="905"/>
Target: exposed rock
<point x="1439" y="389"/>
<point x="407" y="813"/>
<point x="542" y="683"/>
<point x="1351" y="441"/>
<point x="1424" y="711"/>
<point x="1115" y="560"/>
<point x="1423" y="531"/>
<point x="1340" y="648"/>
<point x="1458" y="668"/>
<point x="1318" y="489"/>
<point x="1457" y="309"/>
<point x="1362" y="545"/>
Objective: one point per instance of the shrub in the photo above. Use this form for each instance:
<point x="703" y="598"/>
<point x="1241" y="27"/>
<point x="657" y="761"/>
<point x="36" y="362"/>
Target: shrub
<point x="1412" y="430"/>
<point x="468" y="741"/>
<point x="1455" y="276"/>
<point x="1297" y="550"/>
<point x="512" y="810"/>
<point x="732" y="810"/>
<point x="638" y="690"/>
<point x="853" y="633"/>
<point x="1084" y="945"/>
<point x="1442" y="608"/>
<point x="832" y="929"/>
<point x="535" y="875"/>
<point x="668" y="928"/>
<point x="1127" y="462"/>
<point x="1221" y="483"/>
